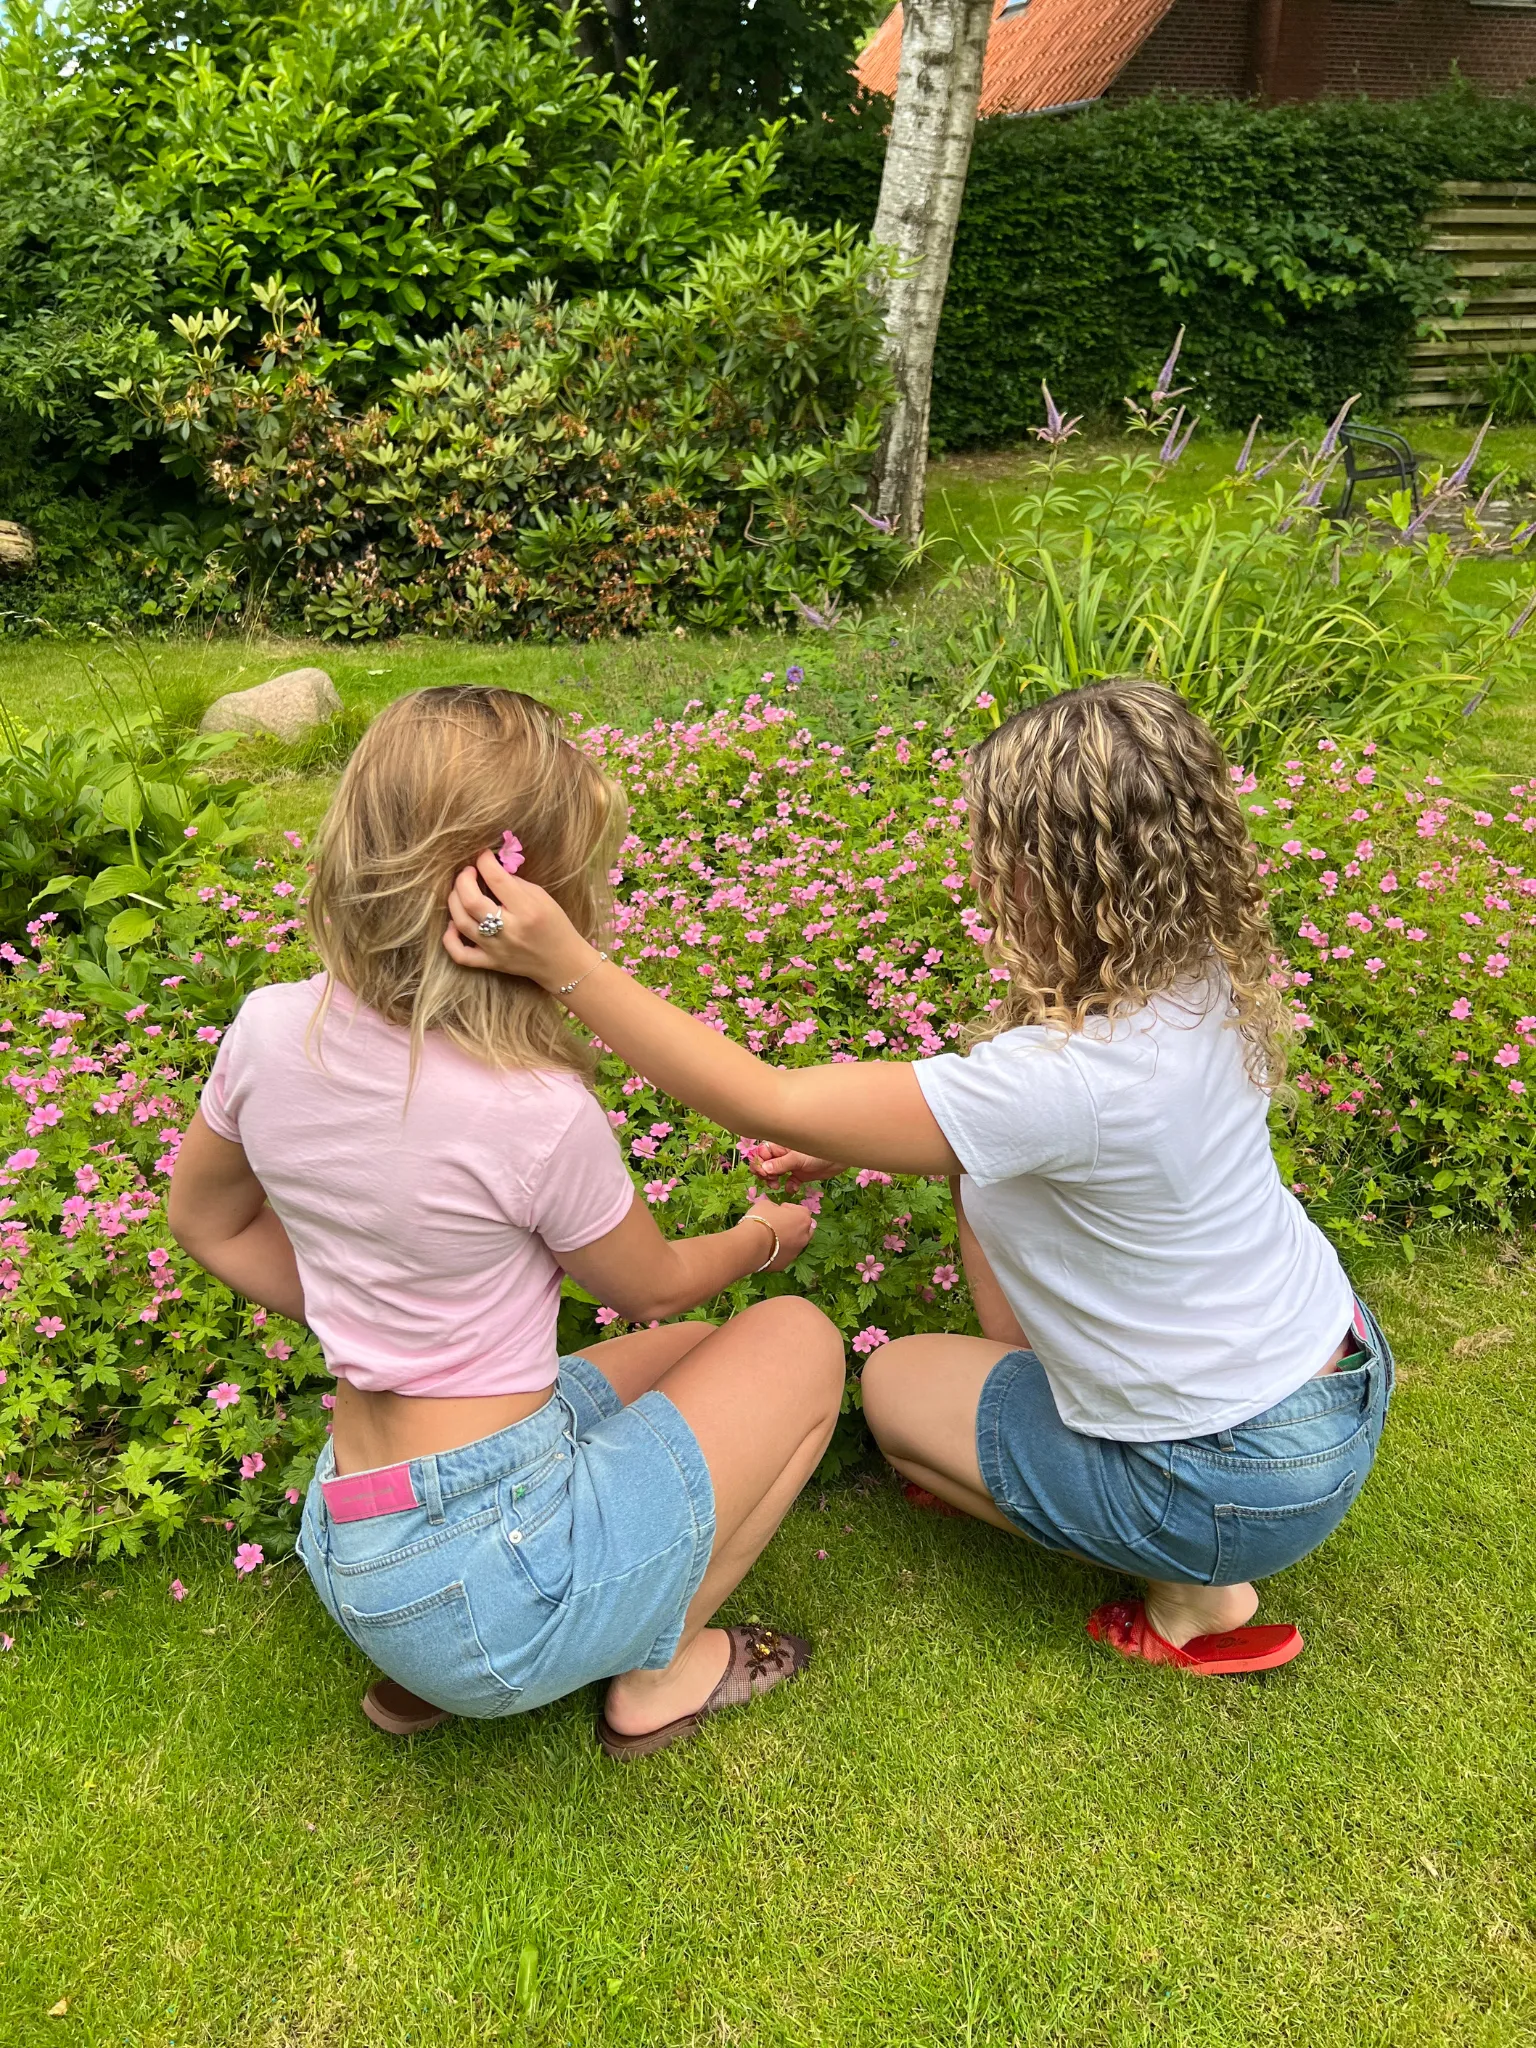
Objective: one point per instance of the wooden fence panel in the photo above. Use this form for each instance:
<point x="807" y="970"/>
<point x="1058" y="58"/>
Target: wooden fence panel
<point x="1489" y="233"/>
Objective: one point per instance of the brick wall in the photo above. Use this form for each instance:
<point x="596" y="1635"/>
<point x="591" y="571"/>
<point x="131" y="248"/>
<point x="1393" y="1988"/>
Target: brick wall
<point x="1388" y="48"/>
<point x="1199" y="46"/>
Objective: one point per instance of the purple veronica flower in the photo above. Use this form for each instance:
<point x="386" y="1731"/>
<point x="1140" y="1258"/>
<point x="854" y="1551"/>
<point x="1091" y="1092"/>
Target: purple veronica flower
<point x="1173" y="447"/>
<point x="880" y="525"/>
<point x="1273" y="463"/>
<point x="1458" y="477"/>
<point x="1525" y="613"/>
<point x="1057" y="428"/>
<point x="1330" y="440"/>
<point x="1247" y="448"/>
<point x="1163" y="390"/>
<point x="823" y="621"/>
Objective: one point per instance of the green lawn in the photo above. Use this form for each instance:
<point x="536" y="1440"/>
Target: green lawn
<point x="971" y="500"/>
<point x="968" y="1825"/>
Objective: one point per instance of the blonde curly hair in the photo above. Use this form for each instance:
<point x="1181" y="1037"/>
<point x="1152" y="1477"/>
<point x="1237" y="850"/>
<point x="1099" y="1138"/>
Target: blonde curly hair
<point x="1110" y="849"/>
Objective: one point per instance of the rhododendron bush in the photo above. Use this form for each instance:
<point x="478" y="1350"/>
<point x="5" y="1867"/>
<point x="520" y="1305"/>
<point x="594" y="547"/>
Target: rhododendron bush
<point x="807" y="896"/>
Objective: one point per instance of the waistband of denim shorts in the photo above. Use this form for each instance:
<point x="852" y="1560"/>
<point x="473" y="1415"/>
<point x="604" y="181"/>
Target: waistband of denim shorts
<point x="485" y="1462"/>
<point x="1338" y="1387"/>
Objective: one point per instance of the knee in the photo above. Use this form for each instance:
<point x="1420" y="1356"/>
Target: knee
<point x="885" y="1380"/>
<point x="806" y="1341"/>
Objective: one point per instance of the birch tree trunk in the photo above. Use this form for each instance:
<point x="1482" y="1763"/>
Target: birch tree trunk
<point x="943" y="43"/>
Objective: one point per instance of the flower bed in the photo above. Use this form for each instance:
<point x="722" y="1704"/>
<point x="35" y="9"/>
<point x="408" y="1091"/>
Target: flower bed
<point x="807" y="896"/>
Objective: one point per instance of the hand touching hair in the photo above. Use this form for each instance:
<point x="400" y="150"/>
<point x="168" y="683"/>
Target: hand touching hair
<point x="1110" y="849"/>
<point x="438" y="776"/>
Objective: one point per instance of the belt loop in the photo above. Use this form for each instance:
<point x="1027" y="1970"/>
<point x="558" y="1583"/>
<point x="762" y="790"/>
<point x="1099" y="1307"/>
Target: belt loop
<point x="1225" y="1441"/>
<point x="429" y="1486"/>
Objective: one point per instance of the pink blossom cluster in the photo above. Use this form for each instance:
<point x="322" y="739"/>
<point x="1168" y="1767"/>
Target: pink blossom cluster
<point x="810" y="897"/>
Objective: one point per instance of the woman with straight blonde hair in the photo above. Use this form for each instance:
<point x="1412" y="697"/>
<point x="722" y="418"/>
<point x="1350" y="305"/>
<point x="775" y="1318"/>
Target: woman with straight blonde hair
<point x="407" y="1156"/>
<point x="1199" y="1396"/>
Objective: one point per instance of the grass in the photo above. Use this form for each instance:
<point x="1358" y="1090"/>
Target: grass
<point x="967" y="1826"/>
<point x="972" y="499"/>
<point x="44" y="681"/>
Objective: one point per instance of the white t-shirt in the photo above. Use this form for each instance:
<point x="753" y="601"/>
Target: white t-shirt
<point x="1120" y="1181"/>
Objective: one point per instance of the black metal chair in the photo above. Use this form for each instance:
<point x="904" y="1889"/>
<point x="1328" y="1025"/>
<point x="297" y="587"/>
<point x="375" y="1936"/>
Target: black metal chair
<point x="1387" y="458"/>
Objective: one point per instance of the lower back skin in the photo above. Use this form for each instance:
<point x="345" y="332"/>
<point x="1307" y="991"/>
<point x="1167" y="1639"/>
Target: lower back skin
<point x="375" y="1429"/>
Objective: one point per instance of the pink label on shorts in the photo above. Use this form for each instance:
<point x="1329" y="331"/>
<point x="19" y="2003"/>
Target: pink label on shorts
<point x="386" y="1492"/>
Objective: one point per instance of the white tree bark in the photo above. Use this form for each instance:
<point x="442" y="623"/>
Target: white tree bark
<point x="943" y="44"/>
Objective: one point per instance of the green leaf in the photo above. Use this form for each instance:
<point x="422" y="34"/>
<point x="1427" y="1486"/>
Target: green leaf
<point x="122" y="805"/>
<point x="114" y="882"/>
<point x="130" y="927"/>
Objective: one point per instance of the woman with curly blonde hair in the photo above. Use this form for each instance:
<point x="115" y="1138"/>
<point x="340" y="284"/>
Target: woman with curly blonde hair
<point x="1174" y="1378"/>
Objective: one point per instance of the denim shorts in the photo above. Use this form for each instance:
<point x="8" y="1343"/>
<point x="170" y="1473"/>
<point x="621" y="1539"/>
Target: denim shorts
<point x="561" y="1550"/>
<point x="1207" y="1511"/>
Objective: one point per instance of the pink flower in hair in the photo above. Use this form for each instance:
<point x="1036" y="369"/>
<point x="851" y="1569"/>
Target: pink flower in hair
<point x="510" y="853"/>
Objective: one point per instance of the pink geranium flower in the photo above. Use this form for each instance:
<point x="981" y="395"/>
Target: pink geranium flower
<point x="510" y="852"/>
<point x="225" y="1394"/>
<point x="249" y="1558"/>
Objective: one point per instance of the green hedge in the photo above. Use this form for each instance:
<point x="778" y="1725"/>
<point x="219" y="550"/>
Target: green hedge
<point x="1288" y="240"/>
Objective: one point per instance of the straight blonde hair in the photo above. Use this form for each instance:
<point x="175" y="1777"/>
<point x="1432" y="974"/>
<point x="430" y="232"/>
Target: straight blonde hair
<point x="438" y="778"/>
<point x="1111" y="849"/>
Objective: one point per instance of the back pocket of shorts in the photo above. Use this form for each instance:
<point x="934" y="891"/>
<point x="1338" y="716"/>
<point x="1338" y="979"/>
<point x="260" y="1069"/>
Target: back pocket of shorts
<point x="1255" y="1543"/>
<point x="433" y="1648"/>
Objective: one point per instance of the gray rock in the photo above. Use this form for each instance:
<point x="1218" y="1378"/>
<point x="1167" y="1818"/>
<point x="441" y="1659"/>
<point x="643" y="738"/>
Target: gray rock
<point x="18" y="550"/>
<point x="288" y="707"/>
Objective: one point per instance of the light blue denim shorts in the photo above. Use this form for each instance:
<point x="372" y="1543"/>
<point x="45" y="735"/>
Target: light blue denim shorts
<point x="560" y="1551"/>
<point x="1209" y="1511"/>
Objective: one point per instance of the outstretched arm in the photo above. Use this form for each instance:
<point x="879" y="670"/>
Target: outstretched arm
<point x="648" y="1277"/>
<point x="872" y="1111"/>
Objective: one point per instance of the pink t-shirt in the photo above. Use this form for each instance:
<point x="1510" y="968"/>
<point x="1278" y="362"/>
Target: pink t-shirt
<point x="428" y="1231"/>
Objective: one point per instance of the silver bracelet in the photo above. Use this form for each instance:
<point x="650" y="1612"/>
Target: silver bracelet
<point x="566" y="986"/>
<point x="773" y="1234"/>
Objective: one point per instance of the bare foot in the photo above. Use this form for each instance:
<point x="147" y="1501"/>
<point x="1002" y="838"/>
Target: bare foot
<point x="1179" y="1613"/>
<point x="641" y="1701"/>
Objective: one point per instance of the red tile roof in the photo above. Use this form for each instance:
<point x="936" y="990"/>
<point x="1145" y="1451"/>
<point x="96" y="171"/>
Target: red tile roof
<point x="1056" y="53"/>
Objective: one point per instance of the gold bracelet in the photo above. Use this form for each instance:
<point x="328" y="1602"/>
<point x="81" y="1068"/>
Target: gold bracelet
<point x="566" y="986"/>
<point x="773" y="1234"/>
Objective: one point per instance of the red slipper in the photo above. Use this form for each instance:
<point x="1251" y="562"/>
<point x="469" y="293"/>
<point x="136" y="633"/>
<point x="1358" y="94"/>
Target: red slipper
<point x="919" y="1497"/>
<point x="1123" y="1625"/>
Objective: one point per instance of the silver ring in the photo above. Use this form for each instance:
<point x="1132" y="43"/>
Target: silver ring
<point x="490" y="925"/>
